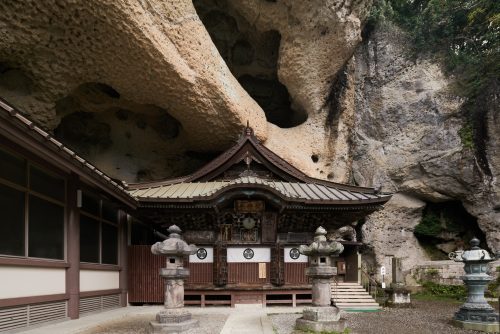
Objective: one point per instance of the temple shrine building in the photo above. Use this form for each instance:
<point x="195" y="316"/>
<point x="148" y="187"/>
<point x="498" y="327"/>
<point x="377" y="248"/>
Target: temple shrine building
<point x="73" y="241"/>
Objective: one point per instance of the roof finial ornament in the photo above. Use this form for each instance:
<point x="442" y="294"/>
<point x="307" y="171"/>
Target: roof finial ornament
<point x="248" y="129"/>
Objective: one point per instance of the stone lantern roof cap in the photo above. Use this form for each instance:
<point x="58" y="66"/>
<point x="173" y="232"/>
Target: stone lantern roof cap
<point x="174" y="244"/>
<point x="320" y="246"/>
<point x="475" y="254"/>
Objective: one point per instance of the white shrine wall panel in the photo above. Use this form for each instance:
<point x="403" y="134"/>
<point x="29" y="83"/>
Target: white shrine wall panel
<point x="18" y="281"/>
<point x="95" y="280"/>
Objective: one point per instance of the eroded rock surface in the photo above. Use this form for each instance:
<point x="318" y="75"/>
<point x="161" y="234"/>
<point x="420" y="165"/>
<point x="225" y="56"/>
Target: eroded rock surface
<point x="407" y="141"/>
<point x="148" y="52"/>
<point x="153" y="89"/>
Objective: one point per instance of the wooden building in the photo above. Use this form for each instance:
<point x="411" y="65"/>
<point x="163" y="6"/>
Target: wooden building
<point x="248" y="211"/>
<point x="63" y="229"/>
<point x="73" y="241"/>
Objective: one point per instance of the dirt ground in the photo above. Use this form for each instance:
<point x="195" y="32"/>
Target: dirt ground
<point x="425" y="317"/>
<point x="209" y="324"/>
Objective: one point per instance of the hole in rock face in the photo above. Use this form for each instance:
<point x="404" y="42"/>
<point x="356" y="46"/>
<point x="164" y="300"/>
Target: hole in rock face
<point x="130" y="141"/>
<point x="242" y="53"/>
<point x="82" y="131"/>
<point x="315" y="158"/>
<point x="273" y="98"/>
<point x="252" y="57"/>
<point x="15" y="80"/>
<point x="446" y="227"/>
<point x="98" y="92"/>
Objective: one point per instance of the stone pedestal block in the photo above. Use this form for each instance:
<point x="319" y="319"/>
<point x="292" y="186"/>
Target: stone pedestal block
<point x="398" y="297"/>
<point x="320" y="319"/>
<point x="172" y="321"/>
<point x="159" y="328"/>
<point x="174" y="293"/>
<point x="321" y="292"/>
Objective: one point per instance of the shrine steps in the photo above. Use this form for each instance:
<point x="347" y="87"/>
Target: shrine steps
<point x="352" y="297"/>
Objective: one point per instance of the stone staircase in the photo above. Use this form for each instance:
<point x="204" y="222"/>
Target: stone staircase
<point x="352" y="297"/>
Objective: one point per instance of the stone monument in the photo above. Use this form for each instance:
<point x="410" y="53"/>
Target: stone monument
<point x="321" y="316"/>
<point x="174" y="318"/>
<point x="476" y="313"/>
<point x="399" y="295"/>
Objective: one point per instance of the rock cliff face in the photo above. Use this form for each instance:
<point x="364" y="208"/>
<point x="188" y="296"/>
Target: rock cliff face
<point x="407" y="139"/>
<point x="152" y="89"/>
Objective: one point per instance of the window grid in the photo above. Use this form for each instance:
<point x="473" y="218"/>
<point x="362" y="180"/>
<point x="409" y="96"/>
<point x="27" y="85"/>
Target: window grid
<point x="27" y="191"/>
<point x="101" y="220"/>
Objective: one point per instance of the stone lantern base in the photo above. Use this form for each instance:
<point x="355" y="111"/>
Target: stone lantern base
<point x="484" y="320"/>
<point x="172" y="321"/>
<point x="318" y="319"/>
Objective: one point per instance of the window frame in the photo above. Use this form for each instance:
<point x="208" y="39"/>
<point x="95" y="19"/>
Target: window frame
<point x="101" y="220"/>
<point x="27" y="192"/>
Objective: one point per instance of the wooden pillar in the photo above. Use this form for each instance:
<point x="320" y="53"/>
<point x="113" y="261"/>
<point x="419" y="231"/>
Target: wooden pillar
<point x="122" y="254"/>
<point x="358" y="264"/>
<point x="73" y="248"/>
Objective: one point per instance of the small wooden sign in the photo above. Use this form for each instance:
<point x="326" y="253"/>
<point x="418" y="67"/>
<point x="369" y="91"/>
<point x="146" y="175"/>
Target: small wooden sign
<point x="249" y="206"/>
<point x="262" y="270"/>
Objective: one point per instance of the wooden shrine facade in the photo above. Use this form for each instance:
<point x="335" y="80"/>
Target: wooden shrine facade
<point x="247" y="211"/>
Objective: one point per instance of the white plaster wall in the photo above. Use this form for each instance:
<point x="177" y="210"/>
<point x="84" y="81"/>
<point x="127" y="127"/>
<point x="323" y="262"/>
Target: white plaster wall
<point x="288" y="259"/>
<point x="261" y="254"/>
<point x="18" y="282"/>
<point x="94" y="280"/>
<point x="209" y="259"/>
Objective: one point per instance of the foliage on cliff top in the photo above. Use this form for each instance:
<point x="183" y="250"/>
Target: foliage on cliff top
<point x="464" y="33"/>
<point x="465" y="36"/>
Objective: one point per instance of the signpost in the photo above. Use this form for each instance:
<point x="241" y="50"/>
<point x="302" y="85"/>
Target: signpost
<point x="382" y="272"/>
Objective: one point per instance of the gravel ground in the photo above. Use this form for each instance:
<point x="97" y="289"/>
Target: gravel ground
<point x="209" y="324"/>
<point x="425" y="317"/>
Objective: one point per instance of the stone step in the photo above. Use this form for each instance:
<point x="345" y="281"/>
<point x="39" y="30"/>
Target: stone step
<point x="352" y="296"/>
<point x="353" y="301"/>
<point x="350" y="292"/>
<point x="344" y="304"/>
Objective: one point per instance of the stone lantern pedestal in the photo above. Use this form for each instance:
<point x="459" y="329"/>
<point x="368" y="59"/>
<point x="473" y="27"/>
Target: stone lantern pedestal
<point x="399" y="295"/>
<point x="174" y="319"/>
<point x="321" y="316"/>
<point x="476" y="313"/>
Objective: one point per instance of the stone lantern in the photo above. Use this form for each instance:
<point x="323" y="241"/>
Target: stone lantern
<point x="174" y="318"/>
<point x="475" y="313"/>
<point x="321" y="316"/>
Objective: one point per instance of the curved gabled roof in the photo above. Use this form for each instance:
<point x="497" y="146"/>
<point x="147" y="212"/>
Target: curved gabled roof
<point x="289" y="183"/>
<point x="311" y="193"/>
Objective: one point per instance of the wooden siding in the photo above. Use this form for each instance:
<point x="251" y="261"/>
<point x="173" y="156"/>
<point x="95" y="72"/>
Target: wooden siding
<point x="144" y="281"/>
<point x="201" y="273"/>
<point x="246" y="273"/>
<point x="295" y="273"/>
